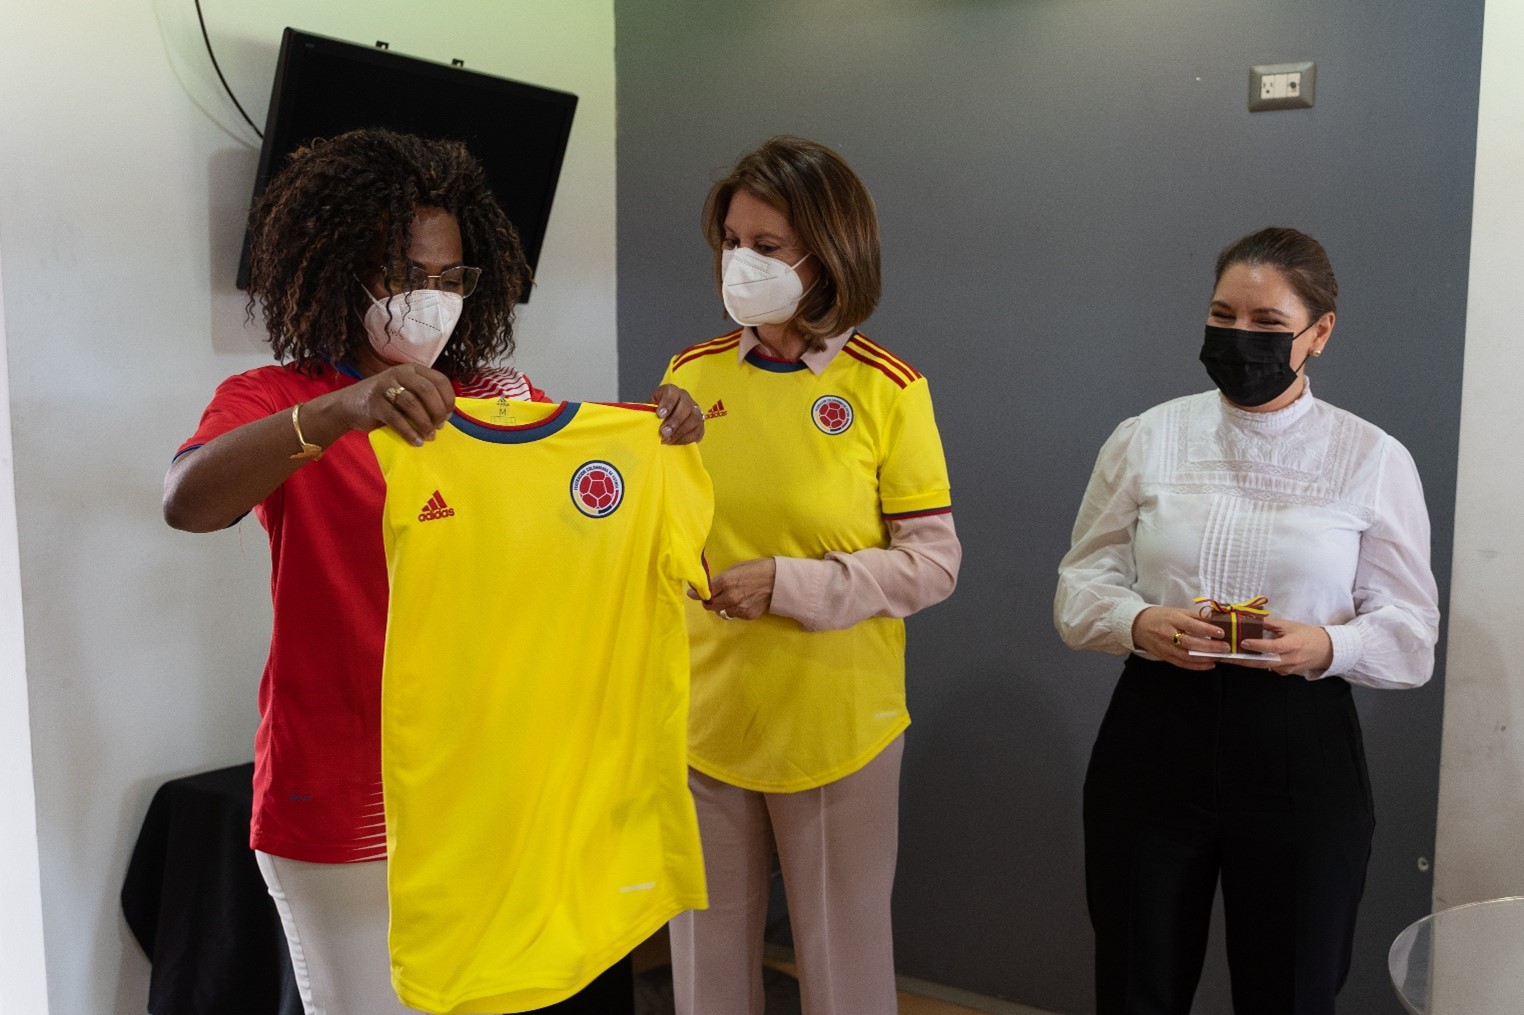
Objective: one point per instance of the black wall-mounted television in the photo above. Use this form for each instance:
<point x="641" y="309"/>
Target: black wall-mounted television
<point x="519" y="131"/>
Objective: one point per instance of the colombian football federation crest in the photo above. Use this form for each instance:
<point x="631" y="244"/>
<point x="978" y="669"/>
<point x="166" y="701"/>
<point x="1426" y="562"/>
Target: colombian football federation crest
<point x="832" y="414"/>
<point x="597" y="489"/>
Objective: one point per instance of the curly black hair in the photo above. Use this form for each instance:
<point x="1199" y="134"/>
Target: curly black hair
<point x="340" y="204"/>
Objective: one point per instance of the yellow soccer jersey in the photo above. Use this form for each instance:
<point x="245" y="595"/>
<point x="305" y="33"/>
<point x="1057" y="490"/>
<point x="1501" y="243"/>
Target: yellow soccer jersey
<point x="803" y="465"/>
<point x="535" y="697"/>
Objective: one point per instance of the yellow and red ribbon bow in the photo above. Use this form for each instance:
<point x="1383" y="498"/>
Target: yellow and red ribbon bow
<point x="1255" y="606"/>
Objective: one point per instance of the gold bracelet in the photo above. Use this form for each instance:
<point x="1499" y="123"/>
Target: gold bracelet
<point x="309" y="452"/>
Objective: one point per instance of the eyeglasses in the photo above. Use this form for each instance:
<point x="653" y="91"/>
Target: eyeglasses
<point x="459" y="280"/>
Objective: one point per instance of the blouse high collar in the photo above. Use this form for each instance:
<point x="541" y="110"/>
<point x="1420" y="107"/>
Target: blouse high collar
<point x="1269" y="423"/>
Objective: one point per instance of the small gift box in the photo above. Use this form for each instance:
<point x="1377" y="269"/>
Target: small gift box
<point x="1237" y="620"/>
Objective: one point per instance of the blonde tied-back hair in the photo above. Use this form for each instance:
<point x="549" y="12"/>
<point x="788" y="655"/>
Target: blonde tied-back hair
<point x="832" y="216"/>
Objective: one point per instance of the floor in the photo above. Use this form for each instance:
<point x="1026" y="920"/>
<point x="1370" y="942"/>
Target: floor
<point x="654" y="988"/>
<point x="915" y="1004"/>
<point x="911" y="1004"/>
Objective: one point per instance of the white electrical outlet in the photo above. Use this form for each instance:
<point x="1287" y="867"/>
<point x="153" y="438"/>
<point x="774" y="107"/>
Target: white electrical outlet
<point x="1282" y="85"/>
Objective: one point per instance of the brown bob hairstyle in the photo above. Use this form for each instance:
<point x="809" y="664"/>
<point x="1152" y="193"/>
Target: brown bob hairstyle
<point x="1294" y="254"/>
<point x="831" y="214"/>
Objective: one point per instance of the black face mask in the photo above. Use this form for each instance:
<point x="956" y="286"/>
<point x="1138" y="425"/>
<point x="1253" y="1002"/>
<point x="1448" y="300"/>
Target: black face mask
<point x="1250" y="368"/>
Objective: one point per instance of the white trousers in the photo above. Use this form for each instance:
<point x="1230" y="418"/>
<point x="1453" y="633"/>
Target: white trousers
<point x="837" y="845"/>
<point x="335" y="915"/>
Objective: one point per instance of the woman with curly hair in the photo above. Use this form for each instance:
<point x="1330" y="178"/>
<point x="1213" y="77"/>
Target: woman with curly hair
<point x="387" y="276"/>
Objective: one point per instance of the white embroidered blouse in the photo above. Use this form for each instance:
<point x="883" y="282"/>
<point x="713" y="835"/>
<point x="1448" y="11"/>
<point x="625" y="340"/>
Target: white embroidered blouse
<point x="1309" y="505"/>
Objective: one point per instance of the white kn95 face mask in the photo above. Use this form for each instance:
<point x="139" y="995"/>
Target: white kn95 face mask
<point x="758" y="289"/>
<point x="412" y="326"/>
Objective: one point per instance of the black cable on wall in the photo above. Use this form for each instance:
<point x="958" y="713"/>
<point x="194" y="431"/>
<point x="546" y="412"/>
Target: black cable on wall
<point x="218" y="69"/>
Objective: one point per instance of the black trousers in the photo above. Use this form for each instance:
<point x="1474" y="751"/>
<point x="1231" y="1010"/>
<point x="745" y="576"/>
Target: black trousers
<point x="1242" y="774"/>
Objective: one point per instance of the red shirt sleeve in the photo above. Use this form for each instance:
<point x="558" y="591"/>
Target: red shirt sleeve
<point x="241" y="399"/>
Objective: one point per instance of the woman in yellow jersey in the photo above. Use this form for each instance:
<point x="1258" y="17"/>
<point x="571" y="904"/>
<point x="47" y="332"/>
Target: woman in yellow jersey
<point x="833" y="520"/>
<point x="388" y="278"/>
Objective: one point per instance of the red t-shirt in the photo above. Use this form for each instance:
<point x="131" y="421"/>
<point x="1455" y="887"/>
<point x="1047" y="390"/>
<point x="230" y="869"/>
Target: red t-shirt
<point x="317" y="752"/>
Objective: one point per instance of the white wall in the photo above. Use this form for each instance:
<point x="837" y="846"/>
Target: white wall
<point x="124" y="179"/>
<point x="1481" y="800"/>
<point x="23" y="985"/>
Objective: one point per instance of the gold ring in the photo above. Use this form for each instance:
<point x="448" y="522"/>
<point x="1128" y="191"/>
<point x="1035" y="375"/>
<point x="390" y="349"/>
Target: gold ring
<point x="393" y="392"/>
<point x="1178" y="636"/>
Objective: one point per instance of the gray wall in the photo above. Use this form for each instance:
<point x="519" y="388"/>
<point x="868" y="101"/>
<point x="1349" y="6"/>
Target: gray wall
<point x="1054" y="178"/>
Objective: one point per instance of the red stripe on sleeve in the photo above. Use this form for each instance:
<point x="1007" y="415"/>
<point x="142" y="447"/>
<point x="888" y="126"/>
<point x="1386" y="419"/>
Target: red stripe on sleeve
<point x="689" y="356"/>
<point x="875" y="364"/>
<point x="914" y="373"/>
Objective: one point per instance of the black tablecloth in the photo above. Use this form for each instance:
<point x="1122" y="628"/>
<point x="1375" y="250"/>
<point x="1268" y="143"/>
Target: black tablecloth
<point x="196" y="902"/>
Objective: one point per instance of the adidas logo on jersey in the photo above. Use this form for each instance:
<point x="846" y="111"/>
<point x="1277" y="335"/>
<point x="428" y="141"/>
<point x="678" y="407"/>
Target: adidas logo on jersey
<point x="716" y="410"/>
<point x="435" y="509"/>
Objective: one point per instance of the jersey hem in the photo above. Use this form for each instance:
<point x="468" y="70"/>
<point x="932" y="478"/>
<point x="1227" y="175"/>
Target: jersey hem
<point x="308" y="852"/>
<point x="540" y="997"/>
<point x="840" y="771"/>
<point x="892" y="516"/>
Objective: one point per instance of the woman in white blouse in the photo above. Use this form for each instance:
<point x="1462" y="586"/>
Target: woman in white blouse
<point x="1249" y="770"/>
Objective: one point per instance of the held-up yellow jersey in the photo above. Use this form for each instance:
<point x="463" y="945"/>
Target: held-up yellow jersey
<point x="535" y="698"/>
<point x="803" y="465"/>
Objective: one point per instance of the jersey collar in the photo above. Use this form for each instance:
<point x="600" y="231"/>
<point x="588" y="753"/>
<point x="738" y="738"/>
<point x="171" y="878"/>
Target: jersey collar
<point x="816" y="361"/>
<point x="524" y="434"/>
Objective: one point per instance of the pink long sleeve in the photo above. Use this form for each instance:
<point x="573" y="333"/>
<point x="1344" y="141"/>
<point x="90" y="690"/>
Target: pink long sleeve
<point x="918" y="569"/>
